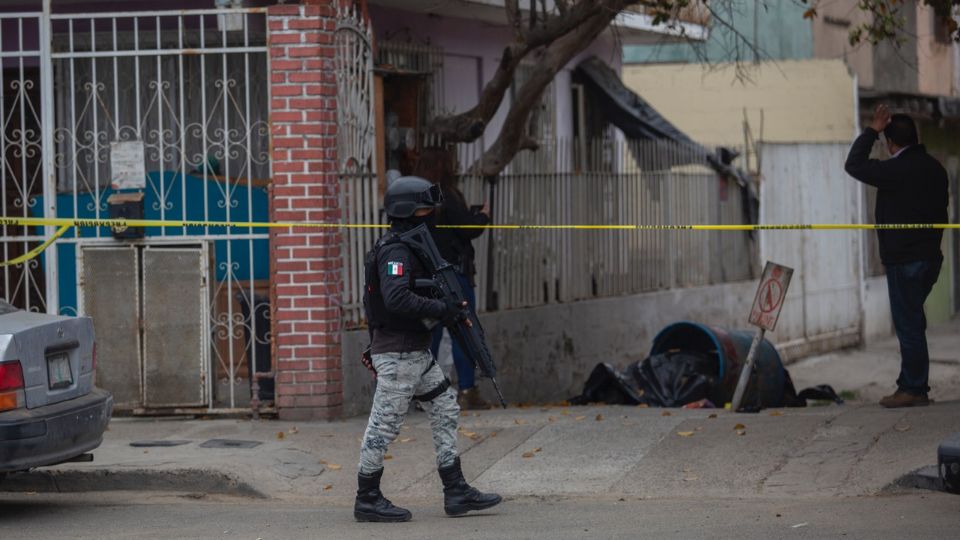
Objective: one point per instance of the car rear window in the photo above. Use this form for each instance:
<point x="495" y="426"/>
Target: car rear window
<point x="6" y="307"/>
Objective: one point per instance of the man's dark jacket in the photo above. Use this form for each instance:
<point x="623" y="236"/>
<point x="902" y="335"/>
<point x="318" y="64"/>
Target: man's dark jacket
<point x="911" y="188"/>
<point x="456" y="245"/>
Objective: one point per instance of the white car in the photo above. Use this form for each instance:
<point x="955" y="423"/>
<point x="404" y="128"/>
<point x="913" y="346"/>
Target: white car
<point x="50" y="412"/>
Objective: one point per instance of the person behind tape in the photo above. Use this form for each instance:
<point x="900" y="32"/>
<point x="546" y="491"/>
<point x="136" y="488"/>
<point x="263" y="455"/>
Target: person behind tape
<point x="911" y="188"/>
<point x="404" y="365"/>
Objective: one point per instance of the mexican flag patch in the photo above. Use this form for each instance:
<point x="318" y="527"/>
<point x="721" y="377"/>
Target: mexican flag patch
<point x="395" y="268"/>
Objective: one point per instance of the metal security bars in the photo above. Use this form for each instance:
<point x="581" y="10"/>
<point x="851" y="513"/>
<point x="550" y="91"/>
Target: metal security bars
<point x="537" y="267"/>
<point x="171" y="106"/>
<point x="22" y="172"/>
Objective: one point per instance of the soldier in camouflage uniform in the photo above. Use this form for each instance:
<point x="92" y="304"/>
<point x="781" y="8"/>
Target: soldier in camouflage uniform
<point x="406" y="369"/>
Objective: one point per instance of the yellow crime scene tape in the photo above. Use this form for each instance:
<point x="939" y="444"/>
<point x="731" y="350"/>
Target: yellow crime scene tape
<point x="65" y="224"/>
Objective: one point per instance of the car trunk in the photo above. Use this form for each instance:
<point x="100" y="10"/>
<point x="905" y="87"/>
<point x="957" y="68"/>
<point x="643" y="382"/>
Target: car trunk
<point x="56" y="356"/>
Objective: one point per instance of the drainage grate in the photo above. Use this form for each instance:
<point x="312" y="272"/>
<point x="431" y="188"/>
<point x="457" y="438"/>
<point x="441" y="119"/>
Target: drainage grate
<point x="229" y="443"/>
<point x="157" y="444"/>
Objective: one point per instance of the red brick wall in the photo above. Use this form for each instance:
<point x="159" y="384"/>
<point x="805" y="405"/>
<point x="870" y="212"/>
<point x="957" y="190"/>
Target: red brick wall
<point x="306" y="262"/>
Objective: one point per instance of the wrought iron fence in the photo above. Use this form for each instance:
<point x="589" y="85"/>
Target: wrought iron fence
<point x="526" y="268"/>
<point x="170" y="106"/>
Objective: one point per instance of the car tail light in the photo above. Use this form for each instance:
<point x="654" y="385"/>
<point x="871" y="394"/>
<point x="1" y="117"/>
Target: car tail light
<point x="11" y="380"/>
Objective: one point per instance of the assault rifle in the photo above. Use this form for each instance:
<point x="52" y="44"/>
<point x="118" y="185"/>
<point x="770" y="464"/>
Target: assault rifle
<point x="467" y="330"/>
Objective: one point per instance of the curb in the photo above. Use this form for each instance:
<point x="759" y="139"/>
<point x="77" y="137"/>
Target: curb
<point x="78" y="481"/>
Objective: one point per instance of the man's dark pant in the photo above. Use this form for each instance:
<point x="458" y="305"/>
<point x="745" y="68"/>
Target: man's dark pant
<point x="908" y="285"/>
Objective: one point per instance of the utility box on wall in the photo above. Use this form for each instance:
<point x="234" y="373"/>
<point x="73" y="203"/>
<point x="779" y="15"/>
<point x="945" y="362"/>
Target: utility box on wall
<point x="126" y="206"/>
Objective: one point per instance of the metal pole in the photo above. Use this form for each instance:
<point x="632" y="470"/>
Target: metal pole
<point x="49" y="171"/>
<point x="746" y="370"/>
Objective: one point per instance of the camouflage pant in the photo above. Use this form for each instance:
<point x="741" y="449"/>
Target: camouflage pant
<point x="400" y="376"/>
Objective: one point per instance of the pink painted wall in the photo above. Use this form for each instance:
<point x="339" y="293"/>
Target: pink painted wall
<point x="472" y="51"/>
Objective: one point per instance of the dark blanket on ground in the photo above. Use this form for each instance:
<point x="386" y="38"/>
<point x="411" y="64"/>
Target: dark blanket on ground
<point x="671" y="379"/>
<point x="674" y="379"/>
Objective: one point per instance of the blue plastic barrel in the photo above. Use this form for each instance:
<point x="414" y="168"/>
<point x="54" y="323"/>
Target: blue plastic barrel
<point x="729" y="348"/>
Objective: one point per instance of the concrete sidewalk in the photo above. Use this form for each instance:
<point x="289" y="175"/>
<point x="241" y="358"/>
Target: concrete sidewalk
<point x="848" y="450"/>
<point x="871" y="372"/>
<point x="851" y="450"/>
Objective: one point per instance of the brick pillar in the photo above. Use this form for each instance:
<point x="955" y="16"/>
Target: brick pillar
<point x="306" y="263"/>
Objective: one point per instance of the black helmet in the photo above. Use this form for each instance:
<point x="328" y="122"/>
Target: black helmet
<point x="407" y="194"/>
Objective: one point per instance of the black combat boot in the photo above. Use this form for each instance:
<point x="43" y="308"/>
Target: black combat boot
<point x="458" y="497"/>
<point x="371" y="505"/>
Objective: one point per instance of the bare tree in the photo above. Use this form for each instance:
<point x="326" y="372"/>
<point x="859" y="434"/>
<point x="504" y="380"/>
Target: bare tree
<point x="555" y="36"/>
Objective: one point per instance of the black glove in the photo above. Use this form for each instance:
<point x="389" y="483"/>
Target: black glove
<point x="367" y="360"/>
<point x="453" y="312"/>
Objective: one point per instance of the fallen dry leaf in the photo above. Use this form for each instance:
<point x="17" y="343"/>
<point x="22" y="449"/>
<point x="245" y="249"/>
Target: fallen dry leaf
<point x="388" y="456"/>
<point x="712" y="416"/>
<point x="741" y="432"/>
<point x="578" y="418"/>
<point x="537" y="449"/>
<point x="407" y="439"/>
<point x="493" y="434"/>
<point x="665" y="413"/>
<point x="328" y="487"/>
<point x="776" y="413"/>
<point x="902" y="427"/>
<point x="519" y="422"/>
<point x="334" y="467"/>
<point x="739" y="426"/>
<point x="599" y="418"/>
<point x="643" y="406"/>
<point x="565" y="412"/>
<point x="281" y="435"/>
<point x="690" y="478"/>
<point x="528" y="454"/>
<point x="322" y="462"/>
<point x="293" y="430"/>
<point x="685" y="433"/>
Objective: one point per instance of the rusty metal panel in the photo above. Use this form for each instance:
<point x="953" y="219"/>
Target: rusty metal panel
<point x="109" y="284"/>
<point x="174" y="322"/>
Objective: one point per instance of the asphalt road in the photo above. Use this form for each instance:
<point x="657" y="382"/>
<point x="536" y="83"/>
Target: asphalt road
<point x="914" y="515"/>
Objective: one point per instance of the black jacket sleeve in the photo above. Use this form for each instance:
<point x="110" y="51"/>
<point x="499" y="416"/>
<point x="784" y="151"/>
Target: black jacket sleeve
<point x="874" y="172"/>
<point x="455" y="212"/>
<point x="396" y="265"/>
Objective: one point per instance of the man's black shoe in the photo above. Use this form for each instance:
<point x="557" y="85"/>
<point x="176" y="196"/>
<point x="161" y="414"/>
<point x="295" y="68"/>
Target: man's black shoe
<point x="458" y="497"/>
<point x="371" y="505"/>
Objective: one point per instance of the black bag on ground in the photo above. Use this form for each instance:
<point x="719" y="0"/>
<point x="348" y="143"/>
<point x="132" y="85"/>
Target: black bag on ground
<point x="674" y="379"/>
<point x="606" y="384"/>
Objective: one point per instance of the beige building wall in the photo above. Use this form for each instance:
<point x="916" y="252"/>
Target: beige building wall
<point x="783" y="102"/>
<point x="935" y="60"/>
<point x="831" y="38"/>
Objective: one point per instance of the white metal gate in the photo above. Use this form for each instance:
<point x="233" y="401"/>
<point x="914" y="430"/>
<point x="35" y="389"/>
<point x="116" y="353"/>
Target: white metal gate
<point x="824" y="302"/>
<point x="170" y="104"/>
<point x="356" y="140"/>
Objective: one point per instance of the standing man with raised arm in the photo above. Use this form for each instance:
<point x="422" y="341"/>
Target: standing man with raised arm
<point x="911" y="188"/>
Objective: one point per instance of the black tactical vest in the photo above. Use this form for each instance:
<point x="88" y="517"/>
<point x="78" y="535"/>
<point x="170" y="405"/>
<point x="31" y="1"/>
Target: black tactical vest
<point x="373" y="305"/>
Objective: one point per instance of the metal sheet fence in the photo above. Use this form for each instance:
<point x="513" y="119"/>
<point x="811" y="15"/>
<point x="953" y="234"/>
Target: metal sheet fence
<point x="526" y="268"/>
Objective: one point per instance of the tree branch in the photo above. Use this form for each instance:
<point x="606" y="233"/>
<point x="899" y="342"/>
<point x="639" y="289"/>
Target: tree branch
<point x="513" y="137"/>
<point x="512" y="8"/>
<point x="469" y="125"/>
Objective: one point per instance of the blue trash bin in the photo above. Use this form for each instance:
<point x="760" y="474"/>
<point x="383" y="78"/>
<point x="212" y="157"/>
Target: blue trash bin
<point x="729" y="348"/>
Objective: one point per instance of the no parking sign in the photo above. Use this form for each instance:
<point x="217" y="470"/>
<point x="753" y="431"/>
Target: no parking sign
<point x="770" y="296"/>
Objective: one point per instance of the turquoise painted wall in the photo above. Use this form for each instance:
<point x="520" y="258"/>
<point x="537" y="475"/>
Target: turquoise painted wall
<point x="782" y="34"/>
